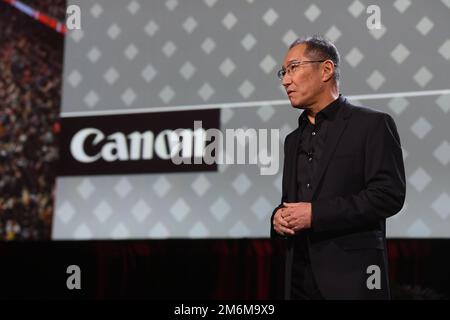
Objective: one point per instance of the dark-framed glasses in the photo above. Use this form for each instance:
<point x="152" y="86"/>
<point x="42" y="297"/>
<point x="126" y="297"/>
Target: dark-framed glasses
<point x="293" y="66"/>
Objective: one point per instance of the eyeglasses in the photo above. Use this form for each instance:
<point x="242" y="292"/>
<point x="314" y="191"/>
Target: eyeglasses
<point x="292" y="67"/>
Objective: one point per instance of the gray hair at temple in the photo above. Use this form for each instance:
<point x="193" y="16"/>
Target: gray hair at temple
<point x="320" y="48"/>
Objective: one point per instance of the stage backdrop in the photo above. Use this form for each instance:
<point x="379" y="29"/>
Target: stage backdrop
<point x="135" y="64"/>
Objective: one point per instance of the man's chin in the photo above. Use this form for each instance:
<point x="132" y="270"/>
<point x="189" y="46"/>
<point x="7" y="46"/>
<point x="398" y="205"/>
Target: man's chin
<point x="296" y="105"/>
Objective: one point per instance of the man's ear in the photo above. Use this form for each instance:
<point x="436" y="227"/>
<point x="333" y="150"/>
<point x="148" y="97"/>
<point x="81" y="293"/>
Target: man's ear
<point x="328" y="70"/>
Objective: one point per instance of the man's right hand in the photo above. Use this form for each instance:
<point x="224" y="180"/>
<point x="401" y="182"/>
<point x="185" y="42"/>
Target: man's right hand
<point x="280" y="225"/>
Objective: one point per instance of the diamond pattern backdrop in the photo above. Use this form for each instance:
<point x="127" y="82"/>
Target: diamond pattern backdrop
<point x="151" y="54"/>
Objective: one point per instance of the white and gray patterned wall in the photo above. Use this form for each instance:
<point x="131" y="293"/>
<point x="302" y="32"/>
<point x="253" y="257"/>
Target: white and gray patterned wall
<point x="148" y="55"/>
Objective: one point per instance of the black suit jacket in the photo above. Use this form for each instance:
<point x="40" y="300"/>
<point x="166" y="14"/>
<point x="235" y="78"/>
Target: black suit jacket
<point x="359" y="182"/>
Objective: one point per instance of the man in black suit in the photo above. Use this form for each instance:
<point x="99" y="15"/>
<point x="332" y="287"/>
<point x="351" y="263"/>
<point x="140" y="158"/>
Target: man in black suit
<point x="343" y="176"/>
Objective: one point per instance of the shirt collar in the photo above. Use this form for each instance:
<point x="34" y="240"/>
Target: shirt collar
<point x="329" y="112"/>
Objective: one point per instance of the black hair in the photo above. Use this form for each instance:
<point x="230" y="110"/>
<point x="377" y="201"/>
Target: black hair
<point x="320" y="48"/>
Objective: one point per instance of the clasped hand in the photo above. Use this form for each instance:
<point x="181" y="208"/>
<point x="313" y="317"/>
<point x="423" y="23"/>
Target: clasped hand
<point x="292" y="217"/>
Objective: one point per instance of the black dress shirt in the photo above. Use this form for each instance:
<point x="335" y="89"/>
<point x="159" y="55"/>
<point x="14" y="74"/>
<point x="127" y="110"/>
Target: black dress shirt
<point x="310" y="149"/>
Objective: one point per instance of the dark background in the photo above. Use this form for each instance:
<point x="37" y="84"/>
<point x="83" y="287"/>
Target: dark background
<point x="194" y="269"/>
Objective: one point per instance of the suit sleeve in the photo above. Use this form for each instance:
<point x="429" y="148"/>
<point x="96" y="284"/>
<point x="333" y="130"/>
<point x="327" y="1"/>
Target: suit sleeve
<point x="384" y="192"/>
<point x="273" y="233"/>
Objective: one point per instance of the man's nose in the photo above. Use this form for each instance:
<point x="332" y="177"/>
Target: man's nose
<point x="286" y="81"/>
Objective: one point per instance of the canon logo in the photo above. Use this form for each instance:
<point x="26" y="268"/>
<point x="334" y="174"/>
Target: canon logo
<point x="137" y="145"/>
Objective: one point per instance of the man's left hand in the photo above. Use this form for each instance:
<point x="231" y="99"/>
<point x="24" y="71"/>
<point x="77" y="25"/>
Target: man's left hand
<point x="298" y="215"/>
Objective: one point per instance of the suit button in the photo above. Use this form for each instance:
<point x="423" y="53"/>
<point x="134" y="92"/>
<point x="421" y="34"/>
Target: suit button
<point x="310" y="159"/>
<point x="313" y="133"/>
<point x="308" y="186"/>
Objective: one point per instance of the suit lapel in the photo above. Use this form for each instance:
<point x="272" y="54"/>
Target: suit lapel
<point x="292" y="158"/>
<point x="334" y="134"/>
<point x="292" y="193"/>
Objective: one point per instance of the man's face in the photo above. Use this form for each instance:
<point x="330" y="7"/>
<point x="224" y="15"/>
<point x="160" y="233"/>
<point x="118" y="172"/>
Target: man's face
<point x="304" y="84"/>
